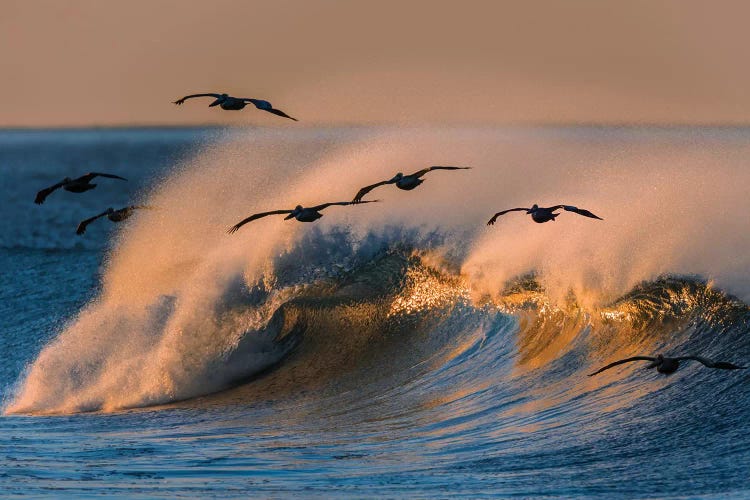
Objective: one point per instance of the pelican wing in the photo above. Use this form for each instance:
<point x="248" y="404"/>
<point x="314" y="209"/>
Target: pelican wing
<point x="259" y="103"/>
<point x="425" y="170"/>
<point x="343" y="203"/>
<point x="712" y="364"/>
<point x="626" y="360"/>
<point x="579" y="211"/>
<point x="494" y="217"/>
<point x="183" y="99"/>
<point x="84" y="223"/>
<point x="42" y="195"/>
<point x="253" y="217"/>
<point x="88" y="177"/>
<point x="280" y="113"/>
<point x="362" y="192"/>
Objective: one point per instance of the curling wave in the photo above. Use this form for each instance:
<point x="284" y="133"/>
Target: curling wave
<point x="414" y="290"/>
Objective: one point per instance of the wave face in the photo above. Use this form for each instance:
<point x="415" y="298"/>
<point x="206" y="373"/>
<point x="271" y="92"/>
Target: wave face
<point x="187" y="310"/>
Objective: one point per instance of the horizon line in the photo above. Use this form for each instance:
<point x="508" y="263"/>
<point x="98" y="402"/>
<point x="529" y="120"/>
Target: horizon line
<point x="214" y="125"/>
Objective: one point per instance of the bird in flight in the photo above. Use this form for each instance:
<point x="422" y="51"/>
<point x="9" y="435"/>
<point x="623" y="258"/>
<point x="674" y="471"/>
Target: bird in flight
<point x="230" y="103"/>
<point x="111" y="214"/>
<point x="302" y="214"/>
<point x="405" y="182"/>
<point x="541" y="214"/>
<point x="670" y="365"/>
<point x="78" y="185"/>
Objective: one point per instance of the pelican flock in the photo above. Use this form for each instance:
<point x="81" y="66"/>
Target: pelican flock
<point x="538" y="214"/>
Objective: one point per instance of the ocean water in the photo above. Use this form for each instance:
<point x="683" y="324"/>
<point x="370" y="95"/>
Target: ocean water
<point x="397" y="349"/>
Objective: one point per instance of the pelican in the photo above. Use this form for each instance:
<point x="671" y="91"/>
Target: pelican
<point x="669" y="365"/>
<point x="541" y="214"/>
<point x="405" y="182"/>
<point x="78" y="185"/>
<point x="302" y="214"/>
<point x="111" y="214"/>
<point x="236" y="103"/>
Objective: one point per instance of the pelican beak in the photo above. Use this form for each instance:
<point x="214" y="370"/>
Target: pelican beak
<point x="215" y="103"/>
<point x="290" y="216"/>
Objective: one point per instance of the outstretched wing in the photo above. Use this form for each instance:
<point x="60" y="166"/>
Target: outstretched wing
<point x="42" y="195"/>
<point x="494" y="217"/>
<point x="82" y="226"/>
<point x="425" y="170"/>
<point x="91" y="175"/>
<point x="259" y="103"/>
<point x="626" y="360"/>
<point x="579" y="211"/>
<point x="343" y="203"/>
<point x="367" y="189"/>
<point x="183" y="99"/>
<point x="280" y="113"/>
<point x="253" y="217"/>
<point x="713" y="364"/>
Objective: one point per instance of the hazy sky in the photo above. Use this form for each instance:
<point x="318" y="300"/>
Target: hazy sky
<point x="101" y="62"/>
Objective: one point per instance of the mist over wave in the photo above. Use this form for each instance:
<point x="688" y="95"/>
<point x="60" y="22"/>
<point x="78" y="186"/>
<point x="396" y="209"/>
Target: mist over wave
<point x="186" y="309"/>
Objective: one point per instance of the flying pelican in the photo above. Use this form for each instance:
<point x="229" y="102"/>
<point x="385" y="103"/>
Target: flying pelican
<point x="78" y="185"/>
<point x="236" y="103"/>
<point x="405" y="182"/>
<point x="541" y="214"/>
<point x="302" y="214"/>
<point x="670" y="365"/>
<point x="111" y="214"/>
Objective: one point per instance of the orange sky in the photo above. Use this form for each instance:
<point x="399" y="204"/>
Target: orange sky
<point x="101" y="62"/>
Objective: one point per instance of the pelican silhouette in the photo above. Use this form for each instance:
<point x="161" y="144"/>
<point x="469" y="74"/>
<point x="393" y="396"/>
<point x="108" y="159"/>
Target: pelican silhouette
<point x="111" y="214"/>
<point x="405" y="182"/>
<point x="541" y="214"/>
<point x="302" y="214"/>
<point x="670" y="365"/>
<point x="230" y="103"/>
<point x="78" y="185"/>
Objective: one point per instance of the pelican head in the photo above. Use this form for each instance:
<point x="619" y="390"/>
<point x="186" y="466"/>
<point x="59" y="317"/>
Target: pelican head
<point x="397" y="177"/>
<point x="219" y="100"/>
<point x="294" y="214"/>
<point x="533" y="208"/>
<point x="110" y="210"/>
<point x="67" y="179"/>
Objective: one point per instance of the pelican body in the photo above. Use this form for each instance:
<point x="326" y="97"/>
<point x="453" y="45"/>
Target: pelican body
<point x="664" y="365"/>
<point x="304" y="214"/>
<point x="76" y="186"/>
<point x="406" y="182"/>
<point x="541" y="215"/>
<point x="229" y="103"/>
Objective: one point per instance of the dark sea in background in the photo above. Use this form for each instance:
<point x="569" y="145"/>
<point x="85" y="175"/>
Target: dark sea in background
<point x="357" y="363"/>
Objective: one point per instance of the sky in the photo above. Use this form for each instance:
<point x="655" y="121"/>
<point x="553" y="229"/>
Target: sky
<point x="113" y="63"/>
